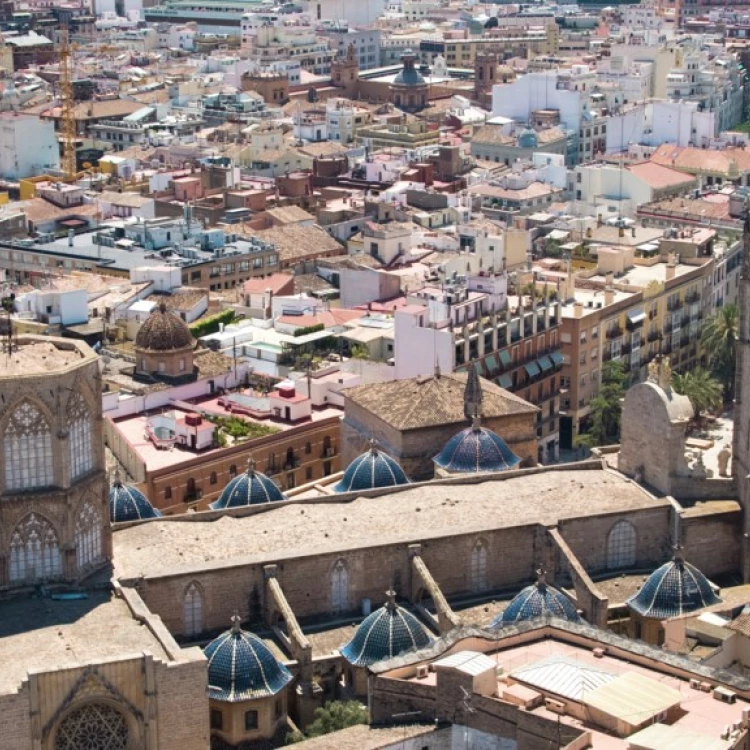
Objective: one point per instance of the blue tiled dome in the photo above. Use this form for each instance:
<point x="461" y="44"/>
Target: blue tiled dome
<point x="385" y="633"/>
<point x="241" y="667"/>
<point x="528" y="139"/>
<point x="370" y="470"/>
<point x="476" y="449"/>
<point x="250" y="488"/>
<point x="409" y="75"/>
<point x="538" y="600"/>
<point x="126" y="503"/>
<point x="674" y="589"/>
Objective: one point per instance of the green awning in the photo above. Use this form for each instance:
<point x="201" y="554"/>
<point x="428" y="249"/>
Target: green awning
<point x="557" y="358"/>
<point x="545" y="363"/>
<point x="491" y="363"/>
<point x="505" y="359"/>
<point x="532" y="369"/>
<point x="505" y="381"/>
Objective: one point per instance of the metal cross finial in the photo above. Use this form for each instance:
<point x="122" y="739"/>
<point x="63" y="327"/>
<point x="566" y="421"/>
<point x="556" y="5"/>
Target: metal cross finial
<point x="391" y="603"/>
<point x="373" y="445"/>
<point x="236" y="622"/>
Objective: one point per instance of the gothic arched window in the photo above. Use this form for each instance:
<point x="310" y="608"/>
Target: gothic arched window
<point x="478" y="570"/>
<point x="340" y="587"/>
<point x="94" y="726"/>
<point x="28" y="449"/>
<point x="81" y="449"/>
<point x="88" y="536"/>
<point x="621" y="546"/>
<point x="192" y="609"/>
<point x="34" y="551"/>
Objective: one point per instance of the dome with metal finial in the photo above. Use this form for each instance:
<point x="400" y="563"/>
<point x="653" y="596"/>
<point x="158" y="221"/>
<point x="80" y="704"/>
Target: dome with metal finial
<point x="163" y="331"/>
<point x="385" y="633"/>
<point x="676" y="588"/>
<point x="474" y="450"/>
<point x="537" y="600"/>
<point x="126" y="503"/>
<point x="241" y="667"/>
<point x="371" y="470"/>
<point x="249" y="488"/>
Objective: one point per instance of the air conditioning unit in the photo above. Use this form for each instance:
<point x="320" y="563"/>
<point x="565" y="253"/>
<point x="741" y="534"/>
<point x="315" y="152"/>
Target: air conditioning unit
<point x="724" y="695"/>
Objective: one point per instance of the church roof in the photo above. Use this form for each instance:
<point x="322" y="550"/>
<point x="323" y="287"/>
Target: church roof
<point x="242" y="667"/>
<point x="383" y="634"/>
<point x="537" y="600"/>
<point x="476" y="449"/>
<point x="431" y="401"/>
<point x="163" y="331"/>
<point x="249" y="488"/>
<point x="674" y="589"/>
<point x="370" y="470"/>
<point x="126" y="503"/>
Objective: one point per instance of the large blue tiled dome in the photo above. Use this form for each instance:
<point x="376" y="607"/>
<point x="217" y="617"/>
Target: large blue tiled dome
<point x="385" y="633"/>
<point x="674" y="589"/>
<point x="476" y="449"/>
<point x="126" y="503"/>
<point x="241" y="667"/>
<point x="538" y="600"/>
<point x="371" y="470"/>
<point x="250" y="488"/>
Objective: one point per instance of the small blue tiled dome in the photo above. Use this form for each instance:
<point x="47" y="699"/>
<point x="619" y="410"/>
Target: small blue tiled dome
<point x="126" y="503"/>
<point x="674" y="589"/>
<point x="242" y="667"/>
<point x="383" y="634"/>
<point x="476" y="449"/>
<point x="371" y="470"/>
<point x="250" y="488"/>
<point x="538" y="600"/>
<point x="408" y="75"/>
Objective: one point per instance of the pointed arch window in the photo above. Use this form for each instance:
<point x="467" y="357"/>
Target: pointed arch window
<point x="81" y="449"/>
<point x="478" y="570"/>
<point x="88" y="536"/>
<point x="340" y="587"/>
<point x="34" y="551"/>
<point x="621" y="546"/>
<point x="28" y="449"/>
<point x="192" y="606"/>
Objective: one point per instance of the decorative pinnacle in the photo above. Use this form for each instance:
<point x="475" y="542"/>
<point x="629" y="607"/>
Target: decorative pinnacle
<point x="117" y="481"/>
<point x="236" y="623"/>
<point x="678" y="557"/>
<point x="250" y="466"/>
<point x="391" y="603"/>
<point x="373" y="446"/>
<point x="541" y="577"/>
<point x="476" y="423"/>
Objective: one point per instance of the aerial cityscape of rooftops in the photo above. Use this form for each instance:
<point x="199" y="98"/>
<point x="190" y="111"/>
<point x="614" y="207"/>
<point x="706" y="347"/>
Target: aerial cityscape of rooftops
<point x="374" y="374"/>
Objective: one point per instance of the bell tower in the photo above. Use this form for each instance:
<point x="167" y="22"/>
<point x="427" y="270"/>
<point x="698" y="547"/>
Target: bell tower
<point x="485" y="77"/>
<point x="741" y="439"/>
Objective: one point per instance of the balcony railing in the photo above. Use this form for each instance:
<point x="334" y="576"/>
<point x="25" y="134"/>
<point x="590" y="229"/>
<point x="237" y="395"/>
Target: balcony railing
<point x="614" y="333"/>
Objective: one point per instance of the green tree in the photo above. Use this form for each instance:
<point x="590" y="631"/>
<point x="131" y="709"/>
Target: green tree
<point x="703" y="389"/>
<point x="332" y="717"/>
<point x="606" y="407"/>
<point x="360" y="351"/>
<point x="719" y="343"/>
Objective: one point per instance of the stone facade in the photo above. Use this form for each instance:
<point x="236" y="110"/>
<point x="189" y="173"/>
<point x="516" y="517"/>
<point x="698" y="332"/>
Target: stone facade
<point x="54" y="515"/>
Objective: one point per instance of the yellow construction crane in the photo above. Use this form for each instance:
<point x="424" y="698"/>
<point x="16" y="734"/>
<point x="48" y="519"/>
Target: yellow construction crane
<point x="67" y="106"/>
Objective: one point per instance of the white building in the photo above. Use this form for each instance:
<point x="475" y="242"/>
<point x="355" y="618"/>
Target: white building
<point x="28" y="146"/>
<point x="56" y="307"/>
<point x="356" y="12"/>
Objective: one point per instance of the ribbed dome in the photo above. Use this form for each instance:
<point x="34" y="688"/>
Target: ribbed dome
<point x="371" y="470"/>
<point x="250" y="488"/>
<point x="528" y="139"/>
<point x="538" y="600"/>
<point x="385" y="633"/>
<point x="674" y="589"/>
<point x="126" y="503"/>
<point x="163" y="331"/>
<point x="242" y="667"/>
<point x="476" y="449"/>
<point x="409" y="75"/>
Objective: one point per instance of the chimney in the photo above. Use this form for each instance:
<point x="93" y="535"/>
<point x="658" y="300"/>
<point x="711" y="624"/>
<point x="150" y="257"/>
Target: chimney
<point x="599" y="221"/>
<point x="671" y="270"/>
<point x="633" y="231"/>
<point x="621" y="231"/>
<point x="609" y="295"/>
<point x="578" y="310"/>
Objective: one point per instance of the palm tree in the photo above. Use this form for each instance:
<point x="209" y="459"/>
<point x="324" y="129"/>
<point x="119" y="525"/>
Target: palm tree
<point x="702" y="388"/>
<point x="719" y="343"/>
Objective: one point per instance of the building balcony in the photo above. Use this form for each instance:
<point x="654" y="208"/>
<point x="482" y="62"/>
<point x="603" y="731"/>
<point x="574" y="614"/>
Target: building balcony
<point x="692" y="298"/>
<point x="614" y="333"/>
<point x="674" y="306"/>
<point x="329" y="452"/>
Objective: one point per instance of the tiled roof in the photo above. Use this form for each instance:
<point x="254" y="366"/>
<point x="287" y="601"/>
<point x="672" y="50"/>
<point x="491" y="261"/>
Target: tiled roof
<point x="701" y="160"/>
<point x="296" y="242"/>
<point x="276" y="282"/>
<point x="538" y="600"/>
<point x="431" y="401"/>
<point x="476" y="449"/>
<point x="126" y="503"/>
<point x="249" y="488"/>
<point x="370" y="470"/>
<point x="658" y="176"/>
<point x="163" y="331"/>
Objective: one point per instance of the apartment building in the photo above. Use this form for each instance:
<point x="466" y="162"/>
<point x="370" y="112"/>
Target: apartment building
<point x="649" y="306"/>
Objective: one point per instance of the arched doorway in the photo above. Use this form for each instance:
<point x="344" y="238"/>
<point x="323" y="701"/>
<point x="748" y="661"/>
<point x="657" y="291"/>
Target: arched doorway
<point x="93" y="726"/>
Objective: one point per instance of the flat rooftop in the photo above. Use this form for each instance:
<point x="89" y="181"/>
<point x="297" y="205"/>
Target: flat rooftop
<point x="642" y="276"/>
<point x="428" y="511"/>
<point x="36" y="633"/>
<point x="37" y="358"/>
<point x="133" y="429"/>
